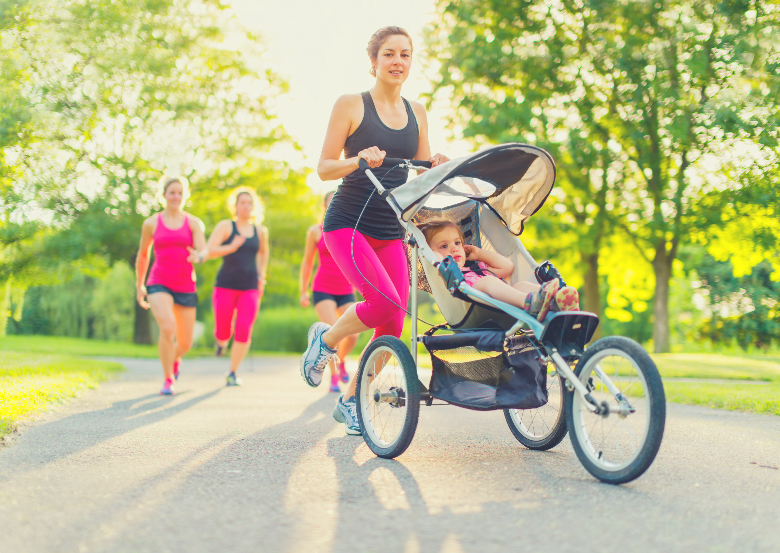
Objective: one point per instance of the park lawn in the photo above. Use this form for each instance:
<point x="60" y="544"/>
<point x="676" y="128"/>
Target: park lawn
<point x="754" y="398"/>
<point x="30" y="383"/>
<point x="706" y="365"/>
<point x="96" y="348"/>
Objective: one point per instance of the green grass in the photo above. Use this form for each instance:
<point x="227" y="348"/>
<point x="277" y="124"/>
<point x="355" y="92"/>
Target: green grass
<point x="82" y="346"/>
<point x="736" y="396"/>
<point x="753" y="398"/>
<point x="692" y="365"/>
<point x="30" y="383"/>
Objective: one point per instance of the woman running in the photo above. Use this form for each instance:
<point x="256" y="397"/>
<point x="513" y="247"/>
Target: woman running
<point x="360" y="228"/>
<point x="170" y="288"/>
<point x="333" y="294"/>
<point x="242" y="242"/>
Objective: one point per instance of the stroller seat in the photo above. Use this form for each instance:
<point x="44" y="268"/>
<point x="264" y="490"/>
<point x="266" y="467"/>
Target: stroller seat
<point x="481" y="228"/>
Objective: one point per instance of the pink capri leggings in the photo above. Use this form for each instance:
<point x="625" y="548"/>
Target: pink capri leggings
<point x="384" y="264"/>
<point x="242" y="303"/>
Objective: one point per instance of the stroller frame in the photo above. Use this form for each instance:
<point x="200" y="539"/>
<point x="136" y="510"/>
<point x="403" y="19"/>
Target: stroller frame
<point x="560" y="339"/>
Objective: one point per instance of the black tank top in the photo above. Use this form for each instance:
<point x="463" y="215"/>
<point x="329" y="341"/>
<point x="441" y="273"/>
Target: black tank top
<point x="378" y="220"/>
<point x="239" y="269"/>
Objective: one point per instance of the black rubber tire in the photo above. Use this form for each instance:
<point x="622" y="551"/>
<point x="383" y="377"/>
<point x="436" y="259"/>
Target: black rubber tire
<point x="412" y="391"/>
<point x="657" y="412"/>
<point x="557" y="433"/>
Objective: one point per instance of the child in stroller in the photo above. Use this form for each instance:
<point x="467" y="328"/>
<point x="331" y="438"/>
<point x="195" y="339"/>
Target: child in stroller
<point x="484" y="271"/>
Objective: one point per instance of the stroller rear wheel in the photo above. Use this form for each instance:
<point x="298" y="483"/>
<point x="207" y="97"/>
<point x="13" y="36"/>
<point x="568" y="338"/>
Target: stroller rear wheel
<point x="388" y="397"/>
<point x="620" y="443"/>
<point x="542" y="428"/>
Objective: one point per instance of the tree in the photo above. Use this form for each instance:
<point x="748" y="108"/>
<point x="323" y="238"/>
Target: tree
<point x="125" y="91"/>
<point x="662" y="85"/>
<point x="507" y="88"/>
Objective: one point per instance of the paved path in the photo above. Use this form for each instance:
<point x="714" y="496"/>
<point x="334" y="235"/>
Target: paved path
<point x="264" y="468"/>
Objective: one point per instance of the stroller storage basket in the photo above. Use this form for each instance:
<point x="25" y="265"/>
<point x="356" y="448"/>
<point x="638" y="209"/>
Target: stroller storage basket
<point x="484" y="371"/>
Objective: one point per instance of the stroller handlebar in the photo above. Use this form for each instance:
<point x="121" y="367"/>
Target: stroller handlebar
<point x="393" y="161"/>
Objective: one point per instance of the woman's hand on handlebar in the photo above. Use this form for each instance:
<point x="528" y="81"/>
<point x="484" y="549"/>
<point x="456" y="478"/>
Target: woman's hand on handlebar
<point x="438" y="159"/>
<point x="373" y="155"/>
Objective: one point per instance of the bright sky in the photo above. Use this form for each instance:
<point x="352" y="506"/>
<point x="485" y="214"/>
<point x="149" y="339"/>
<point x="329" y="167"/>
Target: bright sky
<point x="319" y="46"/>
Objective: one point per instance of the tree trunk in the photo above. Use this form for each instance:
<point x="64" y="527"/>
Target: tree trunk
<point x="142" y="329"/>
<point x="662" y="266"/>
<point x="591" y="293"/>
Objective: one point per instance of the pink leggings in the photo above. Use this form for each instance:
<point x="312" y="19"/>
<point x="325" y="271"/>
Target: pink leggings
<point x="243" y="303"/>
<point x="383" y="263"/>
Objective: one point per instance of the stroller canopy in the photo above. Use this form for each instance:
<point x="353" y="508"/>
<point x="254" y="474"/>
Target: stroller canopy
<point x="513" y="179"/>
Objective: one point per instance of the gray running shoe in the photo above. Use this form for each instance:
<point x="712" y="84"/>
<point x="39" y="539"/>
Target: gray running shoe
<point x="316" y="356"/>
<point x="346" y="412"/>
<point x="233" y="380"/>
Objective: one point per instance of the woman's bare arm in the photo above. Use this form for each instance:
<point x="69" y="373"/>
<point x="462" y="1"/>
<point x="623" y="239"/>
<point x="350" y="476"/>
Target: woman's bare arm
<point x="142" y="260"/>
<point x="214" y="247"/>
<point x="307" y="265"/>
<point x="263" y="256"/>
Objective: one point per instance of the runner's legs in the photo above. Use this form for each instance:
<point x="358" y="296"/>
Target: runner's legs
<point x="162" y="307"/>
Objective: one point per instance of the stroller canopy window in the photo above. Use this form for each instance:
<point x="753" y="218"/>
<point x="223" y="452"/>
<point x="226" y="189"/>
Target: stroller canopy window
<point x="514" y="179"/>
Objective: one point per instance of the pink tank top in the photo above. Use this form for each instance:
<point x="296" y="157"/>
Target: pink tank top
<point x="170" y="267"/>
<point x="329" y="278"/>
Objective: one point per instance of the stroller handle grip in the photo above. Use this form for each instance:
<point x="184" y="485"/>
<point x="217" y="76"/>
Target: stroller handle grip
<point x="393" y="161"/>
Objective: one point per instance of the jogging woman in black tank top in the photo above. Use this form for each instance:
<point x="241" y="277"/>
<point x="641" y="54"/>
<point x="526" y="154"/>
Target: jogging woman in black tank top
<point x="242" y="242"/>
<point x="360" y="228"/>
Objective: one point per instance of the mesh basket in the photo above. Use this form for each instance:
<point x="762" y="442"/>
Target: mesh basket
<point x="482" y="371"/>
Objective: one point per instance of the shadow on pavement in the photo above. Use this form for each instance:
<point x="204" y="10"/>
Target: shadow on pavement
<point x="82" y="431"/>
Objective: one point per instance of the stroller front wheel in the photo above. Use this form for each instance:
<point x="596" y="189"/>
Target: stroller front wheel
<point x="619" y="443"/>
<point x="388" y="397"/>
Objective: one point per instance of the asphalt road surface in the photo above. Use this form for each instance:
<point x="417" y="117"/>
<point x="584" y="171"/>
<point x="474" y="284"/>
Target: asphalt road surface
<point x="264" y="467"/>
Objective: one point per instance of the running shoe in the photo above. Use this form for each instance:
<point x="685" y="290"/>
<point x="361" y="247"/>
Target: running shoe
<point x="176" y="369"/>
<point x="316" y="356"/>
<point x="219" y="351"/>
<point x="167" y="389"/>
<point x="334" y="384"/>
<point x="343" y="372"/>
<point x="233" y="380"/>
<point x="346" y="412"/>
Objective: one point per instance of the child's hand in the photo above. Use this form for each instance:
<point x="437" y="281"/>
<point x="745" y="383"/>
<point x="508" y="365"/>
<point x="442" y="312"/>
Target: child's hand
<point x="472" y="252"/>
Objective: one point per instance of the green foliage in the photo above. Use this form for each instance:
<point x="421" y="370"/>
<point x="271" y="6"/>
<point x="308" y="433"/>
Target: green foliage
<point x="635" y="100"/>
<point x="31" y="383"/>
<point x="745" y="309"/>
<point x="99" y="99"/>
<point x="84" y="306"/>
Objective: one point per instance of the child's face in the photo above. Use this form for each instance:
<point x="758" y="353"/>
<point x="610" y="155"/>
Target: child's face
<point x="447" y="242"/>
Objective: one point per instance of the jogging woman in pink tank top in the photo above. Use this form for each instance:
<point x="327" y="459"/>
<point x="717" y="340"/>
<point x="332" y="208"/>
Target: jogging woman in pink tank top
<point x="332" y="293"/>
<point x="170" y="288"/>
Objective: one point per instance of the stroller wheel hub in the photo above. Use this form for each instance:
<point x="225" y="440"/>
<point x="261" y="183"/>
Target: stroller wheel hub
<point x="395" y="397"/>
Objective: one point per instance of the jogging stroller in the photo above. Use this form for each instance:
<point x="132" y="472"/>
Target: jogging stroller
<point x="491" y="355"/>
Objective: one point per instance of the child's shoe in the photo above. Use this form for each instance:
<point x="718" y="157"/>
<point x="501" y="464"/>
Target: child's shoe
<point x="539" y="303"/>
<point x="334" y="383"/>
<point x="343" y="372"/>
<point x="567" y="299"/>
